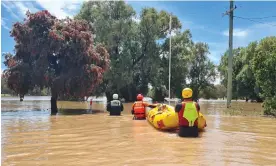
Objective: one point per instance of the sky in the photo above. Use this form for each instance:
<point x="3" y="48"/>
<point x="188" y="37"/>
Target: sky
<point x="203" y="18"/>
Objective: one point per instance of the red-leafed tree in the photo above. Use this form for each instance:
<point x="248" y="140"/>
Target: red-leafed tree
<point x="54" y="53"/>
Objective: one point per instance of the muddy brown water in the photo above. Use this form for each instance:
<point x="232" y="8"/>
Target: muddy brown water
<point x="79" y="136"/>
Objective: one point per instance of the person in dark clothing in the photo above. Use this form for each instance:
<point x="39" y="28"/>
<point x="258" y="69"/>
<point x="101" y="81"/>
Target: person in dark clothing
<point x="115" y="107"/>
<point x="188" y="113"/>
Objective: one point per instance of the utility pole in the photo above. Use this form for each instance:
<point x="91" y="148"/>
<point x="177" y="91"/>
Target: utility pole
<point x="230" y="55"/>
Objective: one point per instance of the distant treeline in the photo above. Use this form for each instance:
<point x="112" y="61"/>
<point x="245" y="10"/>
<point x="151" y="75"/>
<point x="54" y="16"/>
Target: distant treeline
<point x="35" y="92"/>
<point x="254" y="72"/>
<point x="109" y="48"/>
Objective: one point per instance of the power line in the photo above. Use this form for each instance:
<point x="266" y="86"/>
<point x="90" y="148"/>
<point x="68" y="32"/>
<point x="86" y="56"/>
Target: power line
<point x="253" y="20"/>
<point x="260" y="17"/>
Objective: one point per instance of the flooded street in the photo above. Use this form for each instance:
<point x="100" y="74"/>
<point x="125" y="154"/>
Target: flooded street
<point x="79" y="136"/>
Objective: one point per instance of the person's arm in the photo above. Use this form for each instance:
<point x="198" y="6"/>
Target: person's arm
<point x="198" y="107"/>
<point x="152" y="105"/>
<point x="178" y="107"/>
<point x="149" y="105"/>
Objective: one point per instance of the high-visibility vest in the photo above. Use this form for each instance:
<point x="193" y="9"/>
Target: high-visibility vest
<point x="190" y="113"/>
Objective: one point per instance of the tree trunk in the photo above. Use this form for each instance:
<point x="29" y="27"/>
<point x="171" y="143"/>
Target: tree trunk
<point x="54" y="92"/>
<point x="108" y="96"/>
<point x="54" y="109"/>
<point x="129" y="93"/>
<point x="259" y="100"/>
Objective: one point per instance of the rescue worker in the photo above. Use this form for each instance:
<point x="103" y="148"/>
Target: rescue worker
<point x="188" y="113"/>
<point x="139" y="108"/>
<point x="115" y="107"/>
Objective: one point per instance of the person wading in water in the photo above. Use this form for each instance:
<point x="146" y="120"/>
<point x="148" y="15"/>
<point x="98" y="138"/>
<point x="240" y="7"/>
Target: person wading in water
<point x="188" y="113"/>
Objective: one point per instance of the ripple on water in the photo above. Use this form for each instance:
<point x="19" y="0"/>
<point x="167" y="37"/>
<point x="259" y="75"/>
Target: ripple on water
<point x="79" y="137"/>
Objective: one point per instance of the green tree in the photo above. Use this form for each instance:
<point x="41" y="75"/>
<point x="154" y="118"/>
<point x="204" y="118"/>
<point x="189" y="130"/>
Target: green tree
<point x="237" y="66"/>
<point x="244" y="82"/>
<point x="132" y="45"/>
<point x="53" y="53"/>
<point x="118" y="32"/>
<point x="209" y="92"/>
<point x="263" y="65"/>
<point x="181" y="51"/>
<point x="221" y="91"/>
<point x="201" y="69"/>
<point x="4" y="86"/>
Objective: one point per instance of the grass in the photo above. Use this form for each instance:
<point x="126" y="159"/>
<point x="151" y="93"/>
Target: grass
<point x="5" y="95"/>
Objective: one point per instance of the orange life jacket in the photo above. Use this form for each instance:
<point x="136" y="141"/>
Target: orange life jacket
<point x="139" y="109"/>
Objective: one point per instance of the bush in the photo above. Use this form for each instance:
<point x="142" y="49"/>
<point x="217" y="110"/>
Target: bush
<point x="270" y="106"/>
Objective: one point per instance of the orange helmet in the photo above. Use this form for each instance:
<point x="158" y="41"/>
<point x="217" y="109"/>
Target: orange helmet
<point x="140" y="97"/>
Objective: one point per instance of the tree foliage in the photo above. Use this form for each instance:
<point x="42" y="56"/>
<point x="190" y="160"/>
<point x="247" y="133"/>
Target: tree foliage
<point x="131" y="43"/>
<point x="264" y="68"/>
<point x="55" y="53"/>
<point x="181" y="52"/>
<point x="4" y="86"/>
<point x="139" y="48"/>
<point x="201" y="70"/>
<point x="254" y="72"/>
<point x="220" y="91"/>
<point x="244" y="82"/>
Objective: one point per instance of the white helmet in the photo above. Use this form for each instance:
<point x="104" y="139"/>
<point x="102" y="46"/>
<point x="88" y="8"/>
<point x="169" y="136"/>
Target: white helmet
<point x="115" y="97"/>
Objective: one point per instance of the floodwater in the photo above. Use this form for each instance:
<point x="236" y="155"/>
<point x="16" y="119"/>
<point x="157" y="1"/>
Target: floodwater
<point x="81" y="136"/>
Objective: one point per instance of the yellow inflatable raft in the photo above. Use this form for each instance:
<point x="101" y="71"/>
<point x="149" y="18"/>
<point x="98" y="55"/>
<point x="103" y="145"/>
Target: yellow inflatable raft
<point x="164" y="117"/>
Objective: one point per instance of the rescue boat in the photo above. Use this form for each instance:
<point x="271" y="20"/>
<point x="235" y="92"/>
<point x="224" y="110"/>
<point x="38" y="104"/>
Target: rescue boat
<point x="164" y="117"/>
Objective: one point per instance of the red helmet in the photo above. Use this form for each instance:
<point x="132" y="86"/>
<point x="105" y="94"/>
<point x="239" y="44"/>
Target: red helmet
<point x="140" y="97"/>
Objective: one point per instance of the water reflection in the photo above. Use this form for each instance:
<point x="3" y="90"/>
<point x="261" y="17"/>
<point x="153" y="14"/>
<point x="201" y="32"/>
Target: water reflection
<point x="79" y="111"/>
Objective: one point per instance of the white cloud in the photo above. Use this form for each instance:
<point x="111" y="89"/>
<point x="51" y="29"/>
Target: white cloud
<point x="217" y="78"/>
<point x="255" y="32"/>
<point x="173" y="33"/>
<point x="237" y="32"/>
<point x="10" y="7"/>
<point x="18" y="9"/>
<point x="243" y="37"/>
<point x="136" y="19"/>
<point x="72" y="6"/>
<point x="61" y="8"/>
<point x="215" y="55"/>
<point x="24" y="7"/>
<point x="188" y="80"/>
<point x="4" y="24"/>
<point x="216" y="49"/>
